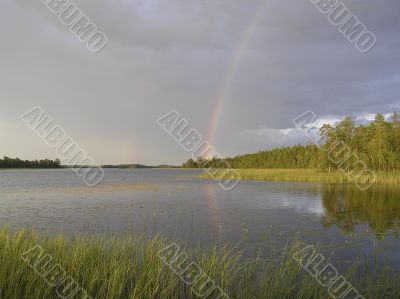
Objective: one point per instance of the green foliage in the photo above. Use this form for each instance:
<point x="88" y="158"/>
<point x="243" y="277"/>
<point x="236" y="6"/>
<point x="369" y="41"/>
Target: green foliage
<point x="289" y="157"/>
<point x="110" y="267"/>
<point x="303" y="175"/>
<point x="377" y="145"/>
<point x="17" y="163"/>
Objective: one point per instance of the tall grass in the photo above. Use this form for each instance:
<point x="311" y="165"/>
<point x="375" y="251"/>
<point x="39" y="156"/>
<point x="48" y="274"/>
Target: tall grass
<point x="110" y="267"/>
<point x="306" y="175"/>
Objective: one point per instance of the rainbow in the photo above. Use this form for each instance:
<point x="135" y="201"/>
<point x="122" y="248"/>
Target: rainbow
<point x="231" y="72"/>
<point x="212" y="205"/>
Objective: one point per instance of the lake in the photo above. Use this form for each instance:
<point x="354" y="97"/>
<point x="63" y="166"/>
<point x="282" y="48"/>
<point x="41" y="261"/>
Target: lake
<point x="177" y="204"/>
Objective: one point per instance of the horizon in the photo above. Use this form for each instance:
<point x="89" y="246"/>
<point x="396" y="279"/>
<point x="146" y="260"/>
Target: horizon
<point x="364" y="120"/>
<point x="239" y="73"/>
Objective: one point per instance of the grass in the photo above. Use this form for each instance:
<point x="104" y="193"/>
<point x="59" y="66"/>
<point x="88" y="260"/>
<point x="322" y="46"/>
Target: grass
<point x="308" y="175"/>
<point x="128" y="267"/>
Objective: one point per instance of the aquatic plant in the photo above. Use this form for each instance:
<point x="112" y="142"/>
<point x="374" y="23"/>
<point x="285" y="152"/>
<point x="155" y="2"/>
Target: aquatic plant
<point x="129" y="267"/>
<point x="307" y="175"/>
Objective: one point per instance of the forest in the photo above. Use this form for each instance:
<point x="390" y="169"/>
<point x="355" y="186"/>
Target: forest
<point x="17" y="163"/>
<point x="377" y="144"/>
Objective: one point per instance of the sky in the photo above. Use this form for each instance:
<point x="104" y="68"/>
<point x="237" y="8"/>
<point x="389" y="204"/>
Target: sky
<point x="239" y="71"/>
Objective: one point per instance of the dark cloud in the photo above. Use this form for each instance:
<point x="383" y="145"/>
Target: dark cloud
<point x="174" y="54"/>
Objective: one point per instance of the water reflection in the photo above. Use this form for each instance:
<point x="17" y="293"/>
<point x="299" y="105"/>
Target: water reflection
<point x="347" y="207"/>
<point x="212" y="206"/>
<point x="176" y="204"/>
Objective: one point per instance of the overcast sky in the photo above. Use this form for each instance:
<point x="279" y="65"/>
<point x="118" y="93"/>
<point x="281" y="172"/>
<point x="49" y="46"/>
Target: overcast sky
<point x="175" y="54"/>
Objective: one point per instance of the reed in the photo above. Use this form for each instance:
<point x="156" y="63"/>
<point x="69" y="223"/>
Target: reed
<point x="129" y="267"/>
<point x="306" y="175"/>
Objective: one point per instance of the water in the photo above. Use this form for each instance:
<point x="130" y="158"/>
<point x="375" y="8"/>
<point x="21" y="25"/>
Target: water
<point x="177" y="204"/>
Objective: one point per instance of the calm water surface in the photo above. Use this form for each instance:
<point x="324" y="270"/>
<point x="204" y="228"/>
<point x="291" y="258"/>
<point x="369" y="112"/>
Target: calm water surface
<point x="176" y="204"/>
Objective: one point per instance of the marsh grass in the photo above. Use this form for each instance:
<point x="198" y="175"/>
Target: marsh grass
<point x="128" y="267"/>
<point x="306" y="175"/>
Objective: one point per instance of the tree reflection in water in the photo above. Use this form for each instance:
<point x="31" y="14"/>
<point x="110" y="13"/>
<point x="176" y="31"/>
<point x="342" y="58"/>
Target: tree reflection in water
<point x="347" y="207"/>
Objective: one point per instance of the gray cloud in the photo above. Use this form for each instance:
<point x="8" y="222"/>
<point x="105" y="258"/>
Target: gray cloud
<point x="174" y="54"/>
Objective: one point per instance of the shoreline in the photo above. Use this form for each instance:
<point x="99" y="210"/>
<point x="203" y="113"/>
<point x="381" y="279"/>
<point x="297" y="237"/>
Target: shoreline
<point x="306" y="175"/>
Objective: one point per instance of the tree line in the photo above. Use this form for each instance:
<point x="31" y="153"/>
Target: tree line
<point x="377" y="144"/>
<point x="7" y="162"/>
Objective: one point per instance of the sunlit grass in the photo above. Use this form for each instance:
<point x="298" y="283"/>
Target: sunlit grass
<point x="308" y="175"/>
<point x="111" y="267"/>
